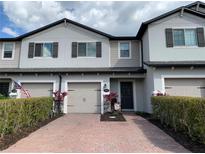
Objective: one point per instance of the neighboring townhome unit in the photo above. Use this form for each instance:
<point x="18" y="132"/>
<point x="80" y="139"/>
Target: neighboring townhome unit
<point x="174" y="52"/>
<point x="80" y="60"/>
<point x="167" y="55"/>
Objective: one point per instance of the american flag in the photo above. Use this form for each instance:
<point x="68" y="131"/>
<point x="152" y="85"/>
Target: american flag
<point x="17" y="85"/>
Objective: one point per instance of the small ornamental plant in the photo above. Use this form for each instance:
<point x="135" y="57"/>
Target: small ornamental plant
<point x="112" y="99"/>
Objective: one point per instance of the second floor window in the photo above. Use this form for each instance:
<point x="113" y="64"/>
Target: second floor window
<point x="184" y="37"/>
<point x="124" y="50"/>
<point x="46" y="49"/>
<point x="8" y="50"/>
<point x="87" y="49"/>
<point x="43" y="50"/>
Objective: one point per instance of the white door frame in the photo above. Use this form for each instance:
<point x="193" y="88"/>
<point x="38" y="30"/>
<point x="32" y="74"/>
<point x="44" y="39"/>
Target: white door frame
<point x="134" y="93"/>
<point x="83" y="81"/>
<point x="36" y="81"/>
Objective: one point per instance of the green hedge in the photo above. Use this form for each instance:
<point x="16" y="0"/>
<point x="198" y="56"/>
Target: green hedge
<point x="16" y="114"/>
<point x="186" y="114"/>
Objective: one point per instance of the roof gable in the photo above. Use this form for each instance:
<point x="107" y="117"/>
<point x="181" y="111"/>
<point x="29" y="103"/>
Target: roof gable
<point x="186" y="8"/>
<point x="65" y="20"/>
<point x="196" y="8"/>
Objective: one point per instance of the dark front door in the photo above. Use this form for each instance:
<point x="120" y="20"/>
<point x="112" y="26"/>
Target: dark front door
<point x="4" y="88"/>
<point x="126" y="92"/>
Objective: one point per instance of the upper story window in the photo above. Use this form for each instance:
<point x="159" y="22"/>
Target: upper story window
<point x="87" y="49"/>
<point x="43" y="50"/>
<point x="8" y="50"/>
<point x="47" y="49"/>
<point x="124" y="50"/>
<point x="184" y="37"/>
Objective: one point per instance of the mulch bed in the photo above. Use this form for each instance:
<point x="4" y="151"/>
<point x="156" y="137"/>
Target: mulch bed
<point x="108" y="116"/>
<point x="179" y="137"/>
<point x="11" y="139"/>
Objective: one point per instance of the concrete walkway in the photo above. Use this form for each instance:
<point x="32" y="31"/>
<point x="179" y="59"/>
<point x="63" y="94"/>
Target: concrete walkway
<point x="85" y="133"/>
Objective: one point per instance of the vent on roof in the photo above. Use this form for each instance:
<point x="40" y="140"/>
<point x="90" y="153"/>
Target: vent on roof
<point x="65" y="23"/>
<point x="197" y="6"/>
<point x="182" y="12"/>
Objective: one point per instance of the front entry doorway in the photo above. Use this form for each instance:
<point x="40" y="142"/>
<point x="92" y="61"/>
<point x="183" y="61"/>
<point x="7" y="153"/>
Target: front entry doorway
<point x="126" y="94"/>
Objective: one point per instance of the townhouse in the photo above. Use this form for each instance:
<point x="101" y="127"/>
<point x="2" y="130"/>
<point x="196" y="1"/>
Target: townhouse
<point x="167" y="54"/>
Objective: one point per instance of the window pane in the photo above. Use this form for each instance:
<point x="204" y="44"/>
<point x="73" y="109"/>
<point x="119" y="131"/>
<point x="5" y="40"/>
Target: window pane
<point x="178" y="35"/>
<point x="124" y="53"/>
<point x="190" y="37"/>
<point x="8" y="49"/>
<point x="38" y="49"/>
<point x="47" y="49"/>
<point x="124" y="50"/>
<point x="8" y="46"/>
<point x="7" y="54"/>
<point x="81" y="49"/>
<point x="91" y="49"/>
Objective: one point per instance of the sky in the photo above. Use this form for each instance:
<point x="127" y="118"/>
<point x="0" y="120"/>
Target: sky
<point x="119" y="18"/>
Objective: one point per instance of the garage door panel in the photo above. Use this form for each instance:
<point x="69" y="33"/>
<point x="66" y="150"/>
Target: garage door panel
<point x="84" y="98"/>
<point x="37" y="89"/>
<point x="185" y="82"/>
<point x="185" y="87"/>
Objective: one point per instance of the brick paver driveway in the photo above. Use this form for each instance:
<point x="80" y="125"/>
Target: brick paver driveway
<point x="85" y="133"/>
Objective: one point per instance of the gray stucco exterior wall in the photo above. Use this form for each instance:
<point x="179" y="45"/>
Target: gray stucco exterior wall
<point x="65" y="35"/>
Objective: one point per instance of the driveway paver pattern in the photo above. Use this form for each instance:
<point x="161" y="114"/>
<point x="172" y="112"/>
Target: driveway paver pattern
<point x="85" y="133"/>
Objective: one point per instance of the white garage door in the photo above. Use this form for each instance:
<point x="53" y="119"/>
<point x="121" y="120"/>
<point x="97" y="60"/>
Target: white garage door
<point x="185" y="87"/>
<point x="37" y="89"/>
<point x="84" y="97"/>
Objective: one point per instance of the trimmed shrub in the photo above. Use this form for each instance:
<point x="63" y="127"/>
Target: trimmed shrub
<point x="186" y="114"/>
<point x="16" y="114"/>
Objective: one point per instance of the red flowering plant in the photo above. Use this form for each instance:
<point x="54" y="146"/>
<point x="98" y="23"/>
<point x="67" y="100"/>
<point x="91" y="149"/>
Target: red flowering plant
<point x="110" y="96"/>
<point x="112" y="99"/>
<point x="159" y="93"/>
<point x="59" y="96"/>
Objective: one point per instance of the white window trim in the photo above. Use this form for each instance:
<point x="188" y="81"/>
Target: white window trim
<point x="184" y="46"/>
<point x="43" y="45"/>
<point x="13" y="51"/>
<point x="130" y="50"/>
<point x="86" y="49"/>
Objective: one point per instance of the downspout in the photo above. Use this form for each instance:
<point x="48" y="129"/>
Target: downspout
<point x="60" y="81"/>
<point x="59" y="90"/>
<point x="142" y="58"/>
